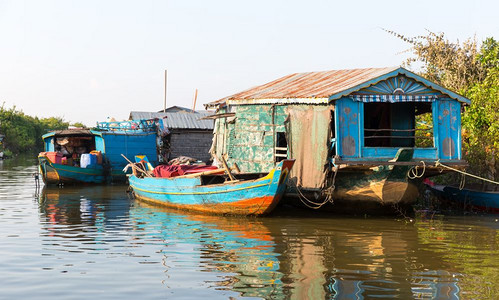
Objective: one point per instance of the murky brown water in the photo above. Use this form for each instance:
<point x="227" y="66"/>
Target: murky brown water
<point x="78" y="243"/>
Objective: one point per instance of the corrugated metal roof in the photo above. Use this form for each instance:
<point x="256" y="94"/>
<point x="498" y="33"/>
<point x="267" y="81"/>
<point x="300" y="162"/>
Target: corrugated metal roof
<point x="178" y="120"/>
<point x="320" y="87"/>
<point x="310" y="84"/>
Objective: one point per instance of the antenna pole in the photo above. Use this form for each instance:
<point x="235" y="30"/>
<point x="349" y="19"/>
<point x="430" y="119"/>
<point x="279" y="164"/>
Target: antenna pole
<point x="164" y="107"/>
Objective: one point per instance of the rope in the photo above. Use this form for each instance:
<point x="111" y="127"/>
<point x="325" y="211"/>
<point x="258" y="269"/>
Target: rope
<point x="329" y="197"/>
<point x="302" y="198"/>
<point x="439" y="164"/>
<point x="463" y="182"/>
<point x="413" y="172"/>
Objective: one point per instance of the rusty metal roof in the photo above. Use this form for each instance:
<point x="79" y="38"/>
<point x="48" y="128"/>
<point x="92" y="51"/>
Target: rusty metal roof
<point x="309" y="85"/>
<point x="322" y="87"/>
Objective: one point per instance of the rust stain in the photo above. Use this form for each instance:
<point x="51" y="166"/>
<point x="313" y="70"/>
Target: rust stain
<point x="309" y="85"/>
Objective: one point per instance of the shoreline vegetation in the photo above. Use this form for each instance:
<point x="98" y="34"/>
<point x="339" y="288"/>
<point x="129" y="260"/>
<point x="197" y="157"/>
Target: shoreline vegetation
<point x="469" y="68"/>
<point x="23" y="132"/>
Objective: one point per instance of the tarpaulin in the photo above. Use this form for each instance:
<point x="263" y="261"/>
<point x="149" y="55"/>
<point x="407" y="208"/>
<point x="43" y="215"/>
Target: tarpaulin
<point x="308" y="133"/>
<point x="167" y="171"/>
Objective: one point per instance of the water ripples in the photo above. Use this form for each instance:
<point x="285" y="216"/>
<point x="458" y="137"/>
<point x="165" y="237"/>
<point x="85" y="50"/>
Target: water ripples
<point x="96" y="242"/>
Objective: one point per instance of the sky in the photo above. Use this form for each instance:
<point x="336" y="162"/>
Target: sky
<point x="86" y="61"/>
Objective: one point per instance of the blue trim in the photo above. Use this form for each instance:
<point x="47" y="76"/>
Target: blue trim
<point x="395" y="73"/>
<point x="361" y="127"/>
<point x="434" y="114"/>
<point x="47" y="135"/>
<point x="369" y="153"/>
<point x="337" y="130"/>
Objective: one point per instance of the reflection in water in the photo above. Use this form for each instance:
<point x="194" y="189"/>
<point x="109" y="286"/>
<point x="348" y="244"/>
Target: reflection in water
<point x="121" y="248"/>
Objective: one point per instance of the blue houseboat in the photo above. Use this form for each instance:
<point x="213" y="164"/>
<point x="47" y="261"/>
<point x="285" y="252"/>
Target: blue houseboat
<point x="94" y="156"/>
<point x="360" y="137"/>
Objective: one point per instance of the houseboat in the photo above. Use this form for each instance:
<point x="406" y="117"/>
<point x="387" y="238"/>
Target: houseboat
<point x="361" y="138"/>
<point x="94" y="155"/>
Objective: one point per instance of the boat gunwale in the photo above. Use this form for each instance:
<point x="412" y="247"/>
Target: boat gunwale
<point x="268" y="178"/>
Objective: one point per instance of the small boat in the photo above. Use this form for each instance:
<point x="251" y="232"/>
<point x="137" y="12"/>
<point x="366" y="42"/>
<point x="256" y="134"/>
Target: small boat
<point x="75" y="156"/>
<point x="244" y="194"/>
<point x="482" y="200"/>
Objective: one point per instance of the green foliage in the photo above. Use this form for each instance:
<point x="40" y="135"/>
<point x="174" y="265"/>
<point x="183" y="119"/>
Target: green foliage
<point x="481" y="120"/>
<point x="79" y="125"/>
<point x="7" y="153"/>
<point x="23" y="133"/>
<point x="472" y="71"/>
<point x="452" y="65"/>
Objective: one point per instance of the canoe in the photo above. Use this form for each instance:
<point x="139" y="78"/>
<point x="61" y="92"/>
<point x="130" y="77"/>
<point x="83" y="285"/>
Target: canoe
<point x="249" y="194"/>
<point x="482" y="200"/>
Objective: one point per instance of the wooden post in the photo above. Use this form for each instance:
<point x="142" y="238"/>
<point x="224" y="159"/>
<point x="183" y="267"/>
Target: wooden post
<point x="195" y="98"/>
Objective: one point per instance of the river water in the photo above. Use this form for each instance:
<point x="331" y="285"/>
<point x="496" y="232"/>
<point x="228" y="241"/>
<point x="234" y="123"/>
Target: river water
<point x="95" y="242"/>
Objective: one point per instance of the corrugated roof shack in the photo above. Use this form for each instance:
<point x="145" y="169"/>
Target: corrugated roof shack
<point x="189" y="134"/>
<point x="367" y="126"/>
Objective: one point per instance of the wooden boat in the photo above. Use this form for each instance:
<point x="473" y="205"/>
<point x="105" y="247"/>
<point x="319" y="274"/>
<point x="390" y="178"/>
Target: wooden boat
<point x="53" y="173"/>
<point x="481" y="200"/>
<point x="61" y="163"/>
<point x="248" y="194"/>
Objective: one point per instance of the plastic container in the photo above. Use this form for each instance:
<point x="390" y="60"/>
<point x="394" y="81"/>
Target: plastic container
<point x="98" y="154"/>
<point x="85" y="160"/>
<point x="54" y="157"/>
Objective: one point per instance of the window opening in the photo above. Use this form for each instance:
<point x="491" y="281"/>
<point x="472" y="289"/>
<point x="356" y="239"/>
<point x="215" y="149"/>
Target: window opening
<point x="281" y="147"/>
<point x="403" y="124"/>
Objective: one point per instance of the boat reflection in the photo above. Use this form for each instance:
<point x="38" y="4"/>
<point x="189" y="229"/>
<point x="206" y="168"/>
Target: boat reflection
<point x="241" y="251"/>
<point x="280" y="257"/>
<point x="84" y="208"/>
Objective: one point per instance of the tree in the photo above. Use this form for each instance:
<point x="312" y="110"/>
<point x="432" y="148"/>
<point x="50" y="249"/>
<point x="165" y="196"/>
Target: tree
<point x="473" y="71"/>
<point x="23" y="133"/>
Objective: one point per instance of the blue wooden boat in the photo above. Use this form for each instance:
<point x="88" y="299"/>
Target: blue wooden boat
<point x="249" y="194"/>
<point x="481" y="200"/>
<point x="61" y="163"/>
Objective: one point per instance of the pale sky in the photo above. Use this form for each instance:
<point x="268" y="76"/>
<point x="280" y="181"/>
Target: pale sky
<point x="89" y="60"/>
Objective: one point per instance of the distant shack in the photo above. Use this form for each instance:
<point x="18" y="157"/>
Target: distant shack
<point x="189" y="134"/>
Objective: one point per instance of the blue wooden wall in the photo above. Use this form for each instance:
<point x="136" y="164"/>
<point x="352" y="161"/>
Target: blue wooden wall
<point x="448" y="128"/>
<point x="349" y="118"/>
<point x="129" y="145"/>
<point x="349" y="125"/>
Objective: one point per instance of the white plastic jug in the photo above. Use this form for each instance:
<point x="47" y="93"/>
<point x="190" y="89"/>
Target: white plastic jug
<point x="85" y="160"/>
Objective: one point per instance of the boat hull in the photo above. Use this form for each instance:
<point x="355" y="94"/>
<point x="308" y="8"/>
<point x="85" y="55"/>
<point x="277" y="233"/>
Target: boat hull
<point x="485" y="201"/>
<point x="53" y="174"/>
<point x="251" y="197"/>
<point x="375" y="187"/>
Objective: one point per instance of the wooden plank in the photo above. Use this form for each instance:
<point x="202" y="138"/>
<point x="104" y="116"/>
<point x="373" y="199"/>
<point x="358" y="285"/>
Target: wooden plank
<point x="394" y="163"/>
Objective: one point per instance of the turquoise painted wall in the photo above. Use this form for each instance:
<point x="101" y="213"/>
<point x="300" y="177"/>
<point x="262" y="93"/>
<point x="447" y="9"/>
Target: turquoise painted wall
<point x="249" y="138"/>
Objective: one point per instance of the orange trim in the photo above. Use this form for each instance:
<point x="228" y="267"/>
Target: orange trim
<point x="254" y="206"/>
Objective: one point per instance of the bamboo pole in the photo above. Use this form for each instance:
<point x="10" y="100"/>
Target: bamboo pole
<point x="211" y="172"/>
<point x="226" y="167"/>
<point x="135" y="167"/>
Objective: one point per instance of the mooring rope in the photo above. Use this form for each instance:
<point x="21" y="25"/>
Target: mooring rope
<point x="413" y="172"/>
<point x="329" y="197"/>
<point x="439" y="164"/>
